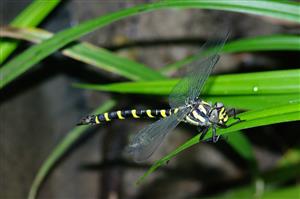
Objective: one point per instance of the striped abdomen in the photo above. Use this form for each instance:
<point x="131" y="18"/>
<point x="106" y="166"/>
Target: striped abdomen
<point x="121" y="115"/>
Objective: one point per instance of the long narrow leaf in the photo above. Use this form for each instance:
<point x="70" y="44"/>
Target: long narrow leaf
<point x="264" y="43"/>
<point x="90" y="54"/>
<point x="288" y="192"/>
<point x="259" y="43"/>
<point x="278" y="9"/>
<point x="292" y="156"/>
<point x="277" y="114"/>
<point x="237" y="84"/>
<point x="105" y="60"/>
<point x="243" y="91"/>
<point x="23" y="62"/>
<point x="248" y="102"/>
<point x="60" y="150"/>
<point x="29" y="17"/>
<point x="283" y="173"/>
<point x="249" y="192"/>
<point x="242" y="145"/>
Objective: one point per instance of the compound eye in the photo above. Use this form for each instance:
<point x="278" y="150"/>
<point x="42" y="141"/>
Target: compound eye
<point x="219" y="105"/>
<point x="214" y="116"/>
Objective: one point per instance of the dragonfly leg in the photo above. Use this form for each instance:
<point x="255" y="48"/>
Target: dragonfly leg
<point x="234" y="123"/>
<point x="232" y="112"/>
<point x="203" y="131"/>
<point x="215" y="138"/>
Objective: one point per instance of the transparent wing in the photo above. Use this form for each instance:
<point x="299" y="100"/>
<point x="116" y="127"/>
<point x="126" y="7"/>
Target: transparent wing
<point x="147" y="140"/>
<point x="189" y="88"/>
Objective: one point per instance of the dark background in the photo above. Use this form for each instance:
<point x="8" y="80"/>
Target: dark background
<point x="40" y="108"/>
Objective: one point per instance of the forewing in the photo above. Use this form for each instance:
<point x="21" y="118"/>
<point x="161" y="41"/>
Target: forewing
<point x="147" y="140"/>
<point x="198" y="78"/>
<point x="189" y="88"/>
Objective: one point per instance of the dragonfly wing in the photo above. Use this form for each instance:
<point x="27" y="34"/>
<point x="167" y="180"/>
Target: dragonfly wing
<point x="147" y="140"/>
<point x="189" y="88"/>
<point x="200" y="75"/>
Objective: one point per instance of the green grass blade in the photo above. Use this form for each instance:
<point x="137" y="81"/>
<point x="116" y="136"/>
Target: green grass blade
<point x="31" y="16"/>
<point x="264" y="43"/>
<point x="249" y="192"/>
<point x="23" y="62"/>
<point x="285" y="10"/>
<point x="243" y="192"/>
<point x="108" y="61"/>
<point x="257" y="83"/>
<point x="90" y="54"/>
<point x="243" y="91"/>
<point x="283" y="173"/>
<point x="61" y="149"/>
<point x="277" y="114"/>
<point x="288" y="192"/>
<point x="292" y="156"/>
<point x="248" y="102"/>
<point x="270" y="180"/>
<point x="259" y="43"/>
<point x="32" y="56"/>
<point x="242" y="145"/>
<point x="287" y="168"/>
<point x="105" y="60"/>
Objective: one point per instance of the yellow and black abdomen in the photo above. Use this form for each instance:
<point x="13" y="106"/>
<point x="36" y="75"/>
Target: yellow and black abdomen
<point x="125" y="114"/>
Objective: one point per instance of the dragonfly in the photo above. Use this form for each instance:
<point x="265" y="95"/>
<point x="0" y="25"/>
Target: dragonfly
<point x="185" y="106"/>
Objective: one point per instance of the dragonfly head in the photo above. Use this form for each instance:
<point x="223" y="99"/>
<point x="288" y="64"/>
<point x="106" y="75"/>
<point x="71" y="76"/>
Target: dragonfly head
<point x="218" y="114"/>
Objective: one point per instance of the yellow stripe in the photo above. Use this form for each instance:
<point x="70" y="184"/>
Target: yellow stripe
<point x="106" y="117"/>
<point x="163" y="113"/>
<point x="197" y="116"/>
<point x="203" y="102"/>
<point x="133" y="112"/>
<point x="175" y="110"/>
<point x="221" y="113"/>
<point x="225" y="118"/>
<point x="149" y="113"/>
<point x="221" y="116"/>
<point x="97" y="120"/>
<point x="191" y="121"/>
<point x="202" y="109"/>
<point x="222" y="110"/>
<point x="120" y="115"/>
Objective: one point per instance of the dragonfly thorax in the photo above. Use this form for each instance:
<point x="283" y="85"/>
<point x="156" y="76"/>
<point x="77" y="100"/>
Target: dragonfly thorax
<point x="205" y="114"/>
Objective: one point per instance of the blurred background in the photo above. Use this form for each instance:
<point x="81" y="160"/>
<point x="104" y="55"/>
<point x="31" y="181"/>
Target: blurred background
<point x="39" y="109"/>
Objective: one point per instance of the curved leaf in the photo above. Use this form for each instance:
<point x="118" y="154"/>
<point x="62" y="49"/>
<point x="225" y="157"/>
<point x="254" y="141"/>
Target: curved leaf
<point x="61" y="149"/>
<point x="23" y="62"/>
<point x="88" y="53"/>
<point x="29" y="17"/>
<point x="242" y="145"/>
<point x="264" y="43"/>
<point x="101" y="58"/>
<point x="259" y="43"/>
<point x="247" y="102"/>
<point x="243" y="91"/>
<point x="257" y="83"/>
<point x="277" y="114"/>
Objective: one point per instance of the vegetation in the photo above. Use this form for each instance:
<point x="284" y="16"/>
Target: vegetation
<point x="265" y="97"/>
